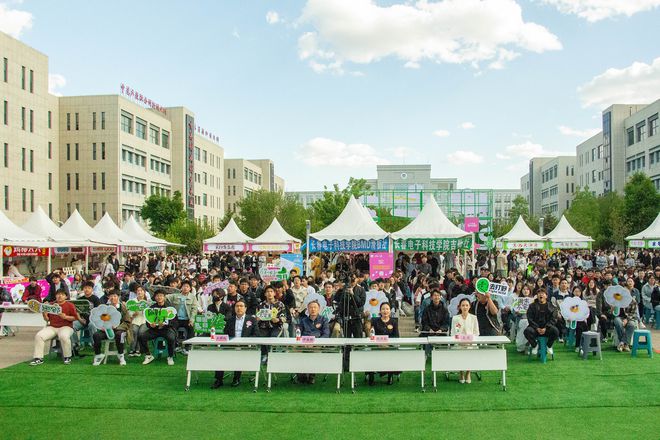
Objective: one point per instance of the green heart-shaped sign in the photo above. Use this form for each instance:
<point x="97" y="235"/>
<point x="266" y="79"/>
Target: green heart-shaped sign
<point x="159" y="316"/>
<point x="136" y="306"/>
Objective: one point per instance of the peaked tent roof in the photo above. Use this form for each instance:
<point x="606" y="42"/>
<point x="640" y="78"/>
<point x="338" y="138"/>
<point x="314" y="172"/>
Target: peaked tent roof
<point x="77" y="226"/>
<point x="41" y="225"/>
<point x="230" y="234"/>
<point x="354" y="223"/>
<point x="133" y="229"/>
<point x="430" y="223"/>
<point x="650" y="233"/>
<point x="521" y="232"/>
<point x="108" y="228"/>
<point x="565" y="232"/>
<point x="275" y="234"/>
<point x="10" y="234"/>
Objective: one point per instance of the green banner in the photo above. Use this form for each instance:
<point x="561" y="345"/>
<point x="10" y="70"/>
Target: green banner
<point x="433" y="244"/>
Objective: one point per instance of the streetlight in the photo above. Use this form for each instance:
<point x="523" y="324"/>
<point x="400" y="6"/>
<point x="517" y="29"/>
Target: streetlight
<point x="541" y="226"/>
<point x="308" y="228"/>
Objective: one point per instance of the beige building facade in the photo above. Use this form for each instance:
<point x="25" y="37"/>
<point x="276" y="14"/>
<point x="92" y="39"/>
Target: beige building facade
<point x="243" y="177"/>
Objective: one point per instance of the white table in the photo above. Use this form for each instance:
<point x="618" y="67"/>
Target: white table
<point x="323" y="356"/>
<point x="483" y="353"/>
<point x="237" y="354"/>
<point x="397" y="354"/>
<point x="18" y="315"/>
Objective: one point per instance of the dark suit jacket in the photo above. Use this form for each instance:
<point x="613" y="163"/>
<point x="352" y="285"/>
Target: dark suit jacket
<point x="249" y="327"/>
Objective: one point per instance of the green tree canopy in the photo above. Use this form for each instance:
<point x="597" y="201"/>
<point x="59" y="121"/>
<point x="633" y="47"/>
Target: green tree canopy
<point x="519" y="207"/>
<point x="326" y="210"/>
<point x="189" y="233"/>
<point x="162" y="211"/>
<point x="584" y="212"/>
<point x="257" y="210"/>
<point x="641" y="203"/>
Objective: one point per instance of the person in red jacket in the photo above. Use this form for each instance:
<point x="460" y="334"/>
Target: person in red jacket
<point x="57" y="326"/>
<point x="32" y="291"/>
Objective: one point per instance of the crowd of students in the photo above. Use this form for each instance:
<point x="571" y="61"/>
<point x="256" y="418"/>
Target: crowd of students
<point x="422" y="286"/>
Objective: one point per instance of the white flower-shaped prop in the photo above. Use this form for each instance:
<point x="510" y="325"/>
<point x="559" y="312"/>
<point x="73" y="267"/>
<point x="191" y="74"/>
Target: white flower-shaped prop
<point x="618" y="297"/>
<point x="17" y="293"/>
<point x="318" y="298"/>
<point x="106" y="318"/>
<point x="373" y="301"/>
<point x="574" y="309"/>
<point x="453" y="304"/>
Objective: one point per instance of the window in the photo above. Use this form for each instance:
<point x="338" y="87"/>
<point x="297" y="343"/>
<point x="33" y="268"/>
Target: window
<point x="31" y="82"/>
<point x="5" y="71"/>
<point x="153" y="134"/>
<point x="566" y="187"/>
<point x="197" y="153"/>
<point x="24" y="199"/>
<point x="631" y="136"/>
<point x="77" y="152"/>
<point x="94" y="151"/>
<point x="23" y="118"/>
<point x="31" y="121"/>
<point x="68" y="209"/>
<point x="93" y="120"/>
<point x="32" y="161"/>
<point x="103" y="208"/>
<point x="77" y="181"/>
<point x="50" y="181"/>
<point x="234" y="189"/>
<point x="31" y="200"/>
<point x="593" y="176"/>
<point x="204" y="200"/>
<point x="228" y="172"/>
<point x="245" y="172"/>
<point x="229" y="190"/>
<point x="103" y="185"/>
<point x="204" y="157"/>
<point x="566" y="170"/>
<point x="68" y="121"/>
<point x="94" y="181"/>
<point x="102" y="120"/>
<point x="126" y="122"/>
<point x="6" y="193"/>
<point x="23" y="87"/>
<point x="102" y="150"/>
<point x="641" y="131"/>
<point x="6" y="155"/>
<point x="50" y="119"/>
<point x="50" y="211"/>
<point x="94" y="211"/>
<point x="68" y="181"/>
<point x="23" y="159"/>
<point x="140" y="128"/>
<point x="653" y="125"/>
<point x="50" y="150"/>
<point x="233" y="173"/>
<point x="77" y="122"/>
<point x="68" y="151"/>
<point x="6" y="114"/>
<point x="165" y="136"/>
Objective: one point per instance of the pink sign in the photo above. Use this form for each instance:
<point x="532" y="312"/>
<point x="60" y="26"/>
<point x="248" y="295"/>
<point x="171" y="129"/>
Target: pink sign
<point x="381" y="338"/>
<point x="307" y="339"/>
<point x="471" y="224"/>
<point x="381" y="265"/>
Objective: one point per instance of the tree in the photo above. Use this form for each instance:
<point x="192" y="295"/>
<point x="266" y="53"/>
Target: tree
<point x="189" y="233"/>
<point x="389" y="222"/>
<point x="225" y="220"/>
<point x="519" y="207"/>
<point x="584" y="212"/>
<point x="326" y="210"/>
<point x="162" y="211"/>
<point x="641" y="203"/>
<point x="257" y="210"/>
<point x="612" y="225"/>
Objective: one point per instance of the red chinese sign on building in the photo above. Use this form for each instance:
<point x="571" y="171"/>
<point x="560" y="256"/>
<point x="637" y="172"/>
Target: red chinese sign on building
<point x="190" y="166"/>
<point x="140" y="98"/>
<point x="14" y="251"/>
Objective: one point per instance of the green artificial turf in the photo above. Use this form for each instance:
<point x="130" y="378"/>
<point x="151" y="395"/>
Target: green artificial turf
<point x="565" y="398"/>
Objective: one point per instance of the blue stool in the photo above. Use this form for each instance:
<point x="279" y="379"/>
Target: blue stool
<point x="160" y="347"/>
<point x="85" y="338"/>
<point x="543" y="349"/>
<point x="637" y="343"/>
<point x="647" y="314"/>
<point x="570" y="338"/>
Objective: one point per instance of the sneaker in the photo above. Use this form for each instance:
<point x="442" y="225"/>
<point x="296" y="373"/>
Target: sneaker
<point x="469" y="379"/>
<point x="461" y="380"/>
<point x="184" y="352"/>
<point x="67" y="361"/>
<point x="577" y="349"/>
<point x="148" y="359"/>
<point x="98" y="359"/>
<point x="36" y="361"/>
<point x="264" y="359"/>
<point x="170" y="361"/>
<point x="178" y="350"/>
<point x="551" y="352"/>
<point x="619" y="348"/>
<point x="122" y="361"/>
<point x="535" y="350"/>
<point x="626" y="347"/>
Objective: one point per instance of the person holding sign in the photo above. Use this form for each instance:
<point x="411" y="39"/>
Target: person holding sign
<point x="464" y="323"/>
<point x="626" y="321"/>
<point x="387" y="326"/>
<point x="313" y="324"/>
<point x="138" y="321"/>
<point x="271" y="316"/>
<point x="59" y="326"/>
<point x="541" y="319"/>
<point x="160" y="328"/>
<point x="119" y="331"/>
<point x="238" y="326"/>
<point x="485" y="309"/>
<point x="187" y="308"/>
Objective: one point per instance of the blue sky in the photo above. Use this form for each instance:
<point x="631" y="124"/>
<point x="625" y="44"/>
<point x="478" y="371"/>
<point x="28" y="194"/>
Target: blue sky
<point x="330" y="88"/>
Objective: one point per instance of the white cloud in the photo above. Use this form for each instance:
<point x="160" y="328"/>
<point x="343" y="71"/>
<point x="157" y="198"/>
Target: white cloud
<point x="528" y="150"/>
<point x="467" y="126"/>
<point x="568" y="131"/>
<point x="447" y="31"/>
<point x="14" y="22"/>
<point x="329" y="152"/>
<point x="441" y="133"/>
<point x="235" y="34"/>
<point x="272" y="17"/>
<point x="461" y="157"/>
<point x="55" y="82"/>
<point x="596" y="10"/>
<point x="638" y="83"/>
<point x="403" y="153"/>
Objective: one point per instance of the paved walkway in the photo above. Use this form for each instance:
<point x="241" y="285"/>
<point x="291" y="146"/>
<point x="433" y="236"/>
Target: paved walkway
<point x="18" y="348"/>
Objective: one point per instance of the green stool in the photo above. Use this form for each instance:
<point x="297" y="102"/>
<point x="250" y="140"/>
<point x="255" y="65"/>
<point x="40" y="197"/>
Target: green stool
<point x="543" y="349"/>
<point x="570" y="338"/>
<point x="85" y="338"/>
<point x="160" y="347"/>
<point x="657" y="319"/>
<point x="646" y="344"/>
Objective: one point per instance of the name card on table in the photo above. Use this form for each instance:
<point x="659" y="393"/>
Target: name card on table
<point x="381" y="338"/>
<point x="307" y="339"/>
<point x="220" y="338"/>
<point x="6" y="304"/>
<point x="464" y="338"/>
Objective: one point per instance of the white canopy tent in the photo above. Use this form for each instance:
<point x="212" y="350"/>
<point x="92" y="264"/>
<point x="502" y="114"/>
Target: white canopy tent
<point x="521" y="237"/>
<point x="275" y="239"/>
<point x="108" y="228"/>
<point x="133" y="229"/>
<point x="353" y="231"/>
<point x="12" y="236"/>
<point x="565" y="237"/>
<point x="648" y="238"/>
<point x="76" y="225"/>
<point x="231" y="238"/>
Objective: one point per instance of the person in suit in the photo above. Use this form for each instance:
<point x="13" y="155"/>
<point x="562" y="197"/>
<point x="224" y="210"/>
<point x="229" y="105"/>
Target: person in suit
<point x="239" y="325"/>
<point x="313" y="324"/>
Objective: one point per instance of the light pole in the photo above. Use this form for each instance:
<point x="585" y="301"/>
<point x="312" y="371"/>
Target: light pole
<point x="308" y="228"/>
<point x="541" y="226"/>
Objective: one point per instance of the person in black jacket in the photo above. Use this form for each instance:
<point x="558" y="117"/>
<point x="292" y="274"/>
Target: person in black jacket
<point x="541" y="319"/>
<point x="385" y="325"/>
<point x="435" y="318"/>
<point x="350" y="302"/>
<point x="165" y="330"/>
<point x="56" y="283"/>
<point x="240" y="325"/>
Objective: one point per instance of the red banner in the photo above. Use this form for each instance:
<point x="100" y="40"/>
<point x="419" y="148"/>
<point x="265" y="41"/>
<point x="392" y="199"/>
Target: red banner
<point x="14" y="251"/>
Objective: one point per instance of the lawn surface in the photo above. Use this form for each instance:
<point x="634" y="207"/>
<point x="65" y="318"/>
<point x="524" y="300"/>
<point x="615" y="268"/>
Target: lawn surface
<point x="565" y="398"/>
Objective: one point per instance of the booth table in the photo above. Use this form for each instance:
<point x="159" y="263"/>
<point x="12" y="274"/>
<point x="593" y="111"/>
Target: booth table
<point x="237" y="354"/>
<point x="395" y="354"/>
<point x="483" y="353"/>
<point x="18" y="315"/>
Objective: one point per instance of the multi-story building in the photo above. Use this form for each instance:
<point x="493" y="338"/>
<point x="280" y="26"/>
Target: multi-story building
<point x="549" y="185"/>
<point x="408" y="177"/>
<point x="641" y="144"/>
<point x="503" y="201"/>
<point x="243" y="177"/>
<point x="28" y="133"/>
<point x="530" y="184"/>
<point x="589" y="165"/>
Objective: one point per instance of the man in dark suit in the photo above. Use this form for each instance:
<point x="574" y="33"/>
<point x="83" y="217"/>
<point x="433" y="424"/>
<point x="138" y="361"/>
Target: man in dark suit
<point x="238" y="326"/>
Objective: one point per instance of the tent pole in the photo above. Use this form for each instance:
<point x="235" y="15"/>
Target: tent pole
<point x="49" y="261"/>
<point x="87" y="249"/>
<point x="2" y="262"/>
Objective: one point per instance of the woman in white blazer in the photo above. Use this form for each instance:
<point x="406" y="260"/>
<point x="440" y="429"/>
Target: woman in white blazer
<point x="464" y="324"/>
